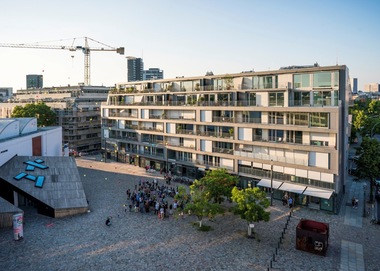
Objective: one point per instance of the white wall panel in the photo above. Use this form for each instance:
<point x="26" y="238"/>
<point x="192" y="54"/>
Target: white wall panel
<point x="245" y="163"/>
<point x="290" y="171"/>
<point x="257" y="165"/>
<point x="226" y="162"/>
<point x="301" y="173"/>
<point x="327" y="177"/>
<point x="315" y="175"/>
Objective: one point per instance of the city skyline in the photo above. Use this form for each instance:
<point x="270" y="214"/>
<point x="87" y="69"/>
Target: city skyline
<point x="188" y="39"/>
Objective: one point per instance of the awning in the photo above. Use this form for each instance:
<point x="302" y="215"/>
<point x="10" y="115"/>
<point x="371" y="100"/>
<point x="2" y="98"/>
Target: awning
<point x="318" y="193"/>
<point x="294" y="188"/>
<point x="267" y="183"/>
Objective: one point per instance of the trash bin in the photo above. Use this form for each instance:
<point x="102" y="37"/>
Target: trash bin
<point x="18" y="226"/>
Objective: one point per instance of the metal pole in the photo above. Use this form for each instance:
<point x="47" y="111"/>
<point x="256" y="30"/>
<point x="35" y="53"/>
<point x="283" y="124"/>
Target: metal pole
<point x="167" y="162"/>
<point x="271" y="182"/>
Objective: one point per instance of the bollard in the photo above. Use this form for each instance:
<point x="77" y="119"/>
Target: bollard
<point x="270" y="264"/>
<point x="276" y="251"/>
<point x="274" y="257"/>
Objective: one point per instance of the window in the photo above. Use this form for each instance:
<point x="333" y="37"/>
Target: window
<point x="301" y="119"/>
<point x="252" y="99"/>
<point x="322" y="79"/>
<point x="276" y="99"/>
<point x="276" y="118"/>
<point x="322" y="97"/>
<point x="319" y="119"/>
<point x="301" y="80"/>
<point x="301" y="98"/>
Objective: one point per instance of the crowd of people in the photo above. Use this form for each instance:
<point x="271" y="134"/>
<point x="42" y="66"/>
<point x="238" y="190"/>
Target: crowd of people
<point x="151" y="197"/>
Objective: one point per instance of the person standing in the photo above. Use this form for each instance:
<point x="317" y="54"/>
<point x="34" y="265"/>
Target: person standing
<point x="290" y="202"/>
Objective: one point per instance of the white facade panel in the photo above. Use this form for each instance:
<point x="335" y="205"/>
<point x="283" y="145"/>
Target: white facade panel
<point x="226" y="163"/>
<point x="206" y="116"/>
<point x="145" y="113"/>
<point x="318" y="159"/>
<point x="327" y="177"/>
<point x="208" y="145"/>
<point x="315" y="175"/>
<point x="245" y="163"/>
<point x="289" y="170"/>
<point x="301" y="173"/>
<point x="278" y="169"/>
<point x="257" y="165"/>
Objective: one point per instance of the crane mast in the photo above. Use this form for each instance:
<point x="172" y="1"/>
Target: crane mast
<point x="86" y="49"/>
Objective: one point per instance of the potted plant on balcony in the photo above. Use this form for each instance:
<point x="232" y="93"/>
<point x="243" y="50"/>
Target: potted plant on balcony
<point x="231" y="132"/>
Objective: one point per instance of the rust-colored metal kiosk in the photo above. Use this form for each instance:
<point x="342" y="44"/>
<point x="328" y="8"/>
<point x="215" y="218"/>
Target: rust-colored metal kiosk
<point x="312" y="236"/>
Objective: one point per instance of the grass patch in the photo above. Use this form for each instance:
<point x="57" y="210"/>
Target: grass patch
<point x="203" y="228"/>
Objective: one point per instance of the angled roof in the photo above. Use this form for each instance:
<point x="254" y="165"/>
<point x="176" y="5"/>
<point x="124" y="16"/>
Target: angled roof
<point x="62" y="186"/>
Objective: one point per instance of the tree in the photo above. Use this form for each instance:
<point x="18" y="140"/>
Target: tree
<point x="45" y="116"/>
<point x="218" y="184"/>
<point x="368" y="161"/>
<point x="250" y="204"/>
<point x="200" y="205"/>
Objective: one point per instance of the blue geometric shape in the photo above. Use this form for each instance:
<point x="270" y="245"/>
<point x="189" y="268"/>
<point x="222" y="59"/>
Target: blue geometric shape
<point x="31" y="177"/>
<point x="39" y="161"/>
<point x="36" y="164"/>
<point x="40" y="181"/>
<point x="29" y="168"/>
<point x="20" y="176"/>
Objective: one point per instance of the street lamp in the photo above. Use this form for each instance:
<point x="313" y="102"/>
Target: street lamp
<point x="271" y="182"/>
<point x="167" y="158"/>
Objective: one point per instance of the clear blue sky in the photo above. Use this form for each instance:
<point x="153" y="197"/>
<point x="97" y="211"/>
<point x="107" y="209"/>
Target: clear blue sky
<point x="188" y="38"/>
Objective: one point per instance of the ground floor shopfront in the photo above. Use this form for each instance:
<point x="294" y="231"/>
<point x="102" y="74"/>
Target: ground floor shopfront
<point x="302" y="195"/>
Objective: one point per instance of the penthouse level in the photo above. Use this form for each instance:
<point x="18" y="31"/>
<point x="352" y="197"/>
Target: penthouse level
<point x="291" y="124"/>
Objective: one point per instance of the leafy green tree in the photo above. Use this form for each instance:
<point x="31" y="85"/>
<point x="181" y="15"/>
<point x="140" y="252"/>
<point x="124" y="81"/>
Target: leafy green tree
<point x="359" y="119"/>
<point x="200" y="204"/>
<point x="368" y="161"/>
<point x="45" y="116"/>
<point x="250" y="204"/>
<point x="374" y="107"/>
<point x="218" y="184"/>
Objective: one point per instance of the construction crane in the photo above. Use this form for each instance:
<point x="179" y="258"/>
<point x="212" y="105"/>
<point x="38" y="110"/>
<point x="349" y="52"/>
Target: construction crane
<point x="86" y="49"/>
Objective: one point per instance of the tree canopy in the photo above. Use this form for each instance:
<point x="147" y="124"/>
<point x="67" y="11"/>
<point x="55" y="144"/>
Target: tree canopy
<point x="368" y="161"/>
<point x="217" y="184"/>
<point x="200" y="204"/>
<point x="250" y="204"/>
<point x="45" y="116"/>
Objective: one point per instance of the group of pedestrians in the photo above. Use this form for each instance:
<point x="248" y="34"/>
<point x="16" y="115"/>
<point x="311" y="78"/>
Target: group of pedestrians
<point x="151" y="197"/>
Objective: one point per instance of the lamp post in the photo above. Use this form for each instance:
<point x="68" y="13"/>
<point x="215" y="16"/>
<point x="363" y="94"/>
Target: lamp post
<point x="167" y="158"/>
<point x="271" y="182"/>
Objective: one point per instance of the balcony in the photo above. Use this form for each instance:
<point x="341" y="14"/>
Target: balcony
<point x="222" y="150"/>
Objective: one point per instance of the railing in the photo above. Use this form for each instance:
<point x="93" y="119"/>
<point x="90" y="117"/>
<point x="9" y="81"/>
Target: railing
<point x="222" y="150"/>
<point x="181" y="145"/>
<point x="212" y="164"/>
<point x="183" y="103"/>
<point x="303" y="162"/>
<point x="185" y="132"/>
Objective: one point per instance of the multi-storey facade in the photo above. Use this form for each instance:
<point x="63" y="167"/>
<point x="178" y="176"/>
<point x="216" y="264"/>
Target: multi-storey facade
<point x="285" y="129"/>
<point x="153" y="73"/>
<point x="34" y="81"/>
<point x="77" y="109"/>
<point x="135" y="68"/>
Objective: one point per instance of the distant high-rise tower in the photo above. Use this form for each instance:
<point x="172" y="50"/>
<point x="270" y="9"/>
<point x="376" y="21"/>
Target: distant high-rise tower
<point x="153" y="73"/>
<point x="135" y="69"/>
<point x="355" y="86"/>
<point x="34" y="81"/>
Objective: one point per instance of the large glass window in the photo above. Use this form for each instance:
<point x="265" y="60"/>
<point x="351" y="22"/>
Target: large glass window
<point x="276" y="118"/>
<point x="252" y="99"/>
<point x="301" y="80"/>
<point x="276" y="99"/>
<point x="322" y="97"/>
<point x="319" y="119"/>
<point x="301" y="98"/>
<point x="322" y="79"/>
<point x="336" y="79"/>
<point x="264" y="82"/>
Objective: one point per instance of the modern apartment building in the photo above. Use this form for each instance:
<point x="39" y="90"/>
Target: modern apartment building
<point x="285" y="129"/>
<point x="34" y="81"/>
<point x="77" y="109"/>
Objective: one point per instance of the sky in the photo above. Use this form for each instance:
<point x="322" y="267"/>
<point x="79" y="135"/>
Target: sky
<point x="187" y="38"/>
